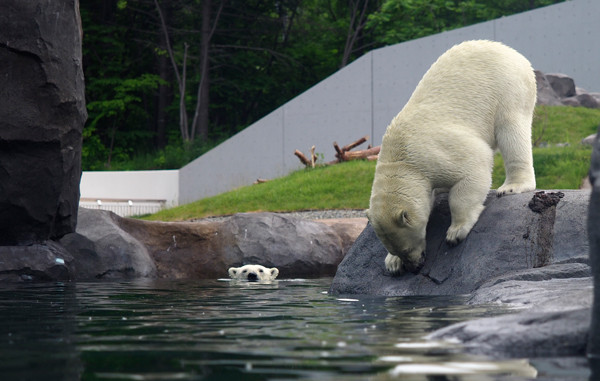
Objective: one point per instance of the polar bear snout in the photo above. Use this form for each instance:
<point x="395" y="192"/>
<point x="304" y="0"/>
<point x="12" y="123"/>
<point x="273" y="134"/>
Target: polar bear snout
<point x="252" y="277"/>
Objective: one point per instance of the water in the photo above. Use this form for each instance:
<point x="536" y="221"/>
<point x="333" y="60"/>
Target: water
<point x="220" y="330"/>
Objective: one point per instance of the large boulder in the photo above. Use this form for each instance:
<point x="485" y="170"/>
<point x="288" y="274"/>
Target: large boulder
<point x="559" y="89"/>
<point x="41" y="119"/>
<point x="108" y="246"/>
<point x="101" y="249"/>
<point x="513" y="233"/>
<point x="545" y="93"/>
<point x="553" y="318"/>
<point x="563" y="85"/>
<point x="594" y="237"/>
<point x="46" y="261"/>
<point x="304" y="248"/>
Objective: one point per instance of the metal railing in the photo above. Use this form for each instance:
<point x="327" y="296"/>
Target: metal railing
<point x="124" y="208"/>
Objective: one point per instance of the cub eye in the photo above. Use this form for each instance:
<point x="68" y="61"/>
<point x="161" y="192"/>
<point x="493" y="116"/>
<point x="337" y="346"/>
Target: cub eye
<point x="261" y="271"/>
<point x="245" y="271"/>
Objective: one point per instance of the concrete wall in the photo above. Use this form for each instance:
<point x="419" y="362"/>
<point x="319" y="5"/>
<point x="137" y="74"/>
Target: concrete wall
<point x="362" y="98"/>
<point x="131" y="185"/>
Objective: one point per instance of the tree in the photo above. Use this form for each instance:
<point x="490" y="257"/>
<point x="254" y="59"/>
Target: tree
<point x="200" y="120"/>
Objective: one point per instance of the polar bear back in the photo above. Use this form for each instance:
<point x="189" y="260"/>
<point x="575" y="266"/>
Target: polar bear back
<point x="478" y="85"/>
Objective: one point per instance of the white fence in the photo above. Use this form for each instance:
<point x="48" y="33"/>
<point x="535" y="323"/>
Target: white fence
<point x="362" y="98"/>
<point x="125" y="208"/>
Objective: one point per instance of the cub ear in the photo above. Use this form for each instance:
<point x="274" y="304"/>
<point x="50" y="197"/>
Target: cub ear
<point x="233" y="271"/>
<point x="274" y="272"/>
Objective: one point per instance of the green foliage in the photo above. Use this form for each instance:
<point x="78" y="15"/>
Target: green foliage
<point x="403" y="20"/>
<point x="262" y="54"/>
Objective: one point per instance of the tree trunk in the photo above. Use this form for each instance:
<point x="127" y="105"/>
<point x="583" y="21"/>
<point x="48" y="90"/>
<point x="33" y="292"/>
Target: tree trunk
<point x="201" y="115"/>
<point x="164" y="91"/>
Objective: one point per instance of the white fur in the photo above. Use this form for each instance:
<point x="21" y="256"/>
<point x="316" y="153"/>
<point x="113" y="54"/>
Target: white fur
<point x="478" y="96"/>
<point x="253" y="273"/>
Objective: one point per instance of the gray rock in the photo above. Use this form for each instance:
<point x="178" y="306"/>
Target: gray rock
<point x="102" y="250"/>
<point x="555" y="321"/>
<point x="107" y="245"/>
<point x="587" y="100"/>
<point x="300" y="247"/>
<point x="41" y="119"/>
<point x="508" y="237"/>
<point x="47" y="261"/>
<point x="593" y="224"/>
<point x="545" y="93"/>
<point x="563" y="85"/>
<point x="589" y="140"/>
<point x="531" y="334"/>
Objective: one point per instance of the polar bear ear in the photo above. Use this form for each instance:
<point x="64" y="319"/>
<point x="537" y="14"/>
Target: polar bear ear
<point x="274" y="272"/>
<point x="233" y="271"/>
<point x="403" y="218"/>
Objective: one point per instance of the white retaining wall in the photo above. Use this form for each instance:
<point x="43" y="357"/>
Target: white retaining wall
<point x="129" y="193"/>
<point x="363" y="97"/>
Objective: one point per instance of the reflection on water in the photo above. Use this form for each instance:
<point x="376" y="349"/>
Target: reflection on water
<point x="218" y="330"/>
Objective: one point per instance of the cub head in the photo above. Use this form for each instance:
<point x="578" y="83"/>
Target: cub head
<point x="401" y="233"/>
<point x="253" y="273"/>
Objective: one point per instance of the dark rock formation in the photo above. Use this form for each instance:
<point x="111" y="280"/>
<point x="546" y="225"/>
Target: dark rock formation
<point x="102" y="250"/>
<point x="39" y="262"/>
<point x="545" y="92"/>
<point x="593" y="225"/>
<point x="563" y="86"/>
<point x="108" y="246"/>
<point x="508" y="237"/>
<point x="41" y="119"/>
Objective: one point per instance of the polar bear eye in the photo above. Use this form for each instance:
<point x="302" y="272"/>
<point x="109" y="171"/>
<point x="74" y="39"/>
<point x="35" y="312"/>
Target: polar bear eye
<point x="245" y="271"/>
<point x="261" y="270"/>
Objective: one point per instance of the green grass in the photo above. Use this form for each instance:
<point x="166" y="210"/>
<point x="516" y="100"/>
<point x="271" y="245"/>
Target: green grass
<point x="555" y="167"/>
<point x="348" y="185"/>
<point x="563" y="124"/>
<point x="341" y="186"/>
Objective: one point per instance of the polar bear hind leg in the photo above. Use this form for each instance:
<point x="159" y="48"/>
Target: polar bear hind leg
<point x="514" y="142"/>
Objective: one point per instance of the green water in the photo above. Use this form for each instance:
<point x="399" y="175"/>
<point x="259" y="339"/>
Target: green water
<point x="219" y="330"/>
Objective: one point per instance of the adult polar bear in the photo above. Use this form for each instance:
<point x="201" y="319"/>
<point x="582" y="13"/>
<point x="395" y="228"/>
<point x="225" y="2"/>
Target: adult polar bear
<point x="478" y="96"/>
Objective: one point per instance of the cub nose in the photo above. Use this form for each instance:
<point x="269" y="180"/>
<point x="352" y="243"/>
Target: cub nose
<point x="252" y="277"/>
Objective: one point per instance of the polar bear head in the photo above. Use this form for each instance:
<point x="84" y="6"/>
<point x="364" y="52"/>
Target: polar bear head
<point x="253" y="273"/>
<point x="399" y="214"/>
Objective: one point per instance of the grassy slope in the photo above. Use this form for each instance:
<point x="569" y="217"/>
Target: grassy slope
<point x="348" y="185"/>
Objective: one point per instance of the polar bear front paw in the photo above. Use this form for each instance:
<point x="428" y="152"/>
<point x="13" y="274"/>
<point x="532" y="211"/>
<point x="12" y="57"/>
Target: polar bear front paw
<point x="514" y="188"/>
<point x="457" y="233"/>
<point x="393" y="264"/>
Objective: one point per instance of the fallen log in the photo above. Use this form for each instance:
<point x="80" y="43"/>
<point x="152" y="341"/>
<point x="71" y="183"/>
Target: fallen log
<point x="302" y="158"/>
<point x="362" y="154"/>
<point x="342" y="154"/>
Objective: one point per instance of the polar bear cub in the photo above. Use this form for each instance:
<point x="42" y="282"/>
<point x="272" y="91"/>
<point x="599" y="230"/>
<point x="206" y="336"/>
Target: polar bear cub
<point x="253" y="273"/>
<point x="478" y="96"/>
